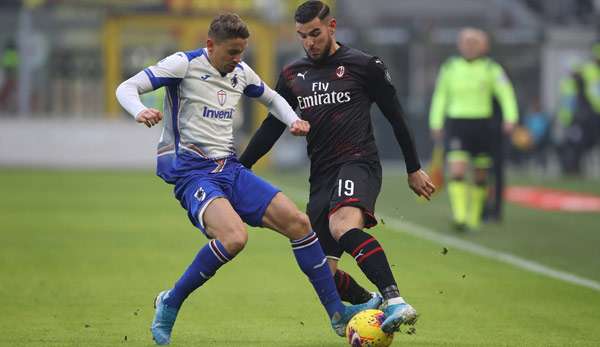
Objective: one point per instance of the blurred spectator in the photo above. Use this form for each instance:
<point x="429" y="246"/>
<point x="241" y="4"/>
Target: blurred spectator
<point x="464" y="93"/>
<point x="579" y="113"/>
<point x="9" y="62"/>
<point x="531" y="139"/>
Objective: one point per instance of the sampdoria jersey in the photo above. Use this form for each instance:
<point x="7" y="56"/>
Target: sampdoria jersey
<point x="200" y="104"/>
<point x="335" y="95"/>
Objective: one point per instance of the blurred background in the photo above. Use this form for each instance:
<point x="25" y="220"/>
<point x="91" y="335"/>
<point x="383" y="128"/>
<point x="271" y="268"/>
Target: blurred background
<point x="61" y="61"/>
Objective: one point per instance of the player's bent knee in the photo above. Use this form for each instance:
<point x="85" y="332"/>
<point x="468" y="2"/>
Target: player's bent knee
<point x="337" y="230"/>
<point x="344" y="219"/>
<point x="235" y="240"/>
<point x="299" y="225"/>
<point x="338" y="226"/>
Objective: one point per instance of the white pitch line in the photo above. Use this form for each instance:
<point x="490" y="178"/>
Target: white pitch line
<point x="471" y="247"/>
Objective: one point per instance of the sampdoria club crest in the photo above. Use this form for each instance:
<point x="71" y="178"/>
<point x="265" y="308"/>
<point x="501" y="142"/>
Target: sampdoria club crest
<point x="222" y="97"/>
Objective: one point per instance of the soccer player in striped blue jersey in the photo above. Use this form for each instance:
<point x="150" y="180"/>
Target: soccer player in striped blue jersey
<point x="196" y="154"/>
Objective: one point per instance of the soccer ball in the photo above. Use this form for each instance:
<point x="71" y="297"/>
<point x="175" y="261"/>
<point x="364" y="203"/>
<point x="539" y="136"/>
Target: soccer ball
<point x="364" y="330"/>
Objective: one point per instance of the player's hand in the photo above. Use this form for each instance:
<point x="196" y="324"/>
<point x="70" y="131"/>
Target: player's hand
<point x="421" y="184"/>
<point x="149" y="116"/>
<point x="300" y="128"/>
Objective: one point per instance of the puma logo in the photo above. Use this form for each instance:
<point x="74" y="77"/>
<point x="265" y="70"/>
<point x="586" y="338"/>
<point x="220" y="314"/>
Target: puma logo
<point x="360" y="253"/>
<point x="303" y="75"/>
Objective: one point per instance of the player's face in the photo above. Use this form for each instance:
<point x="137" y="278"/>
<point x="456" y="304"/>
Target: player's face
<point x="225" y="55"/>
<point x="317" y="37"/>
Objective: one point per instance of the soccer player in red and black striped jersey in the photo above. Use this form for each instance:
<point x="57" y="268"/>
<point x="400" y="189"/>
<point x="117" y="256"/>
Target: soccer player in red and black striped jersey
<point x="334" y="87"/>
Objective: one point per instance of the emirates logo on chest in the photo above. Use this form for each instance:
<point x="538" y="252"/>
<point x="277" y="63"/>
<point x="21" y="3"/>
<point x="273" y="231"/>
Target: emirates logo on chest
<point x="222" y="97"/>
<point x="339" y="72"/>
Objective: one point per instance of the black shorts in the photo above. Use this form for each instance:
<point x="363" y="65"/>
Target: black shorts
<point x="473" y="136"/>
<point x="354" y="184"/>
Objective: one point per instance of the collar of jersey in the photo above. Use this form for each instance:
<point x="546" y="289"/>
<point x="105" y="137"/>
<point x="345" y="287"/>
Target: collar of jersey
<point x="332" y="56"/>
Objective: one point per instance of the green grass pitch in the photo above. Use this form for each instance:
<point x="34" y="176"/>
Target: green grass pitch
<point x="82" y="255"/>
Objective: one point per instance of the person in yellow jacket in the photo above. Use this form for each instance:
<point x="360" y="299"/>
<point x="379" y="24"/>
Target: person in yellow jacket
<point x="579" y="112"/>
<point x="9" y="65"/>
<point x="461" y="116"/>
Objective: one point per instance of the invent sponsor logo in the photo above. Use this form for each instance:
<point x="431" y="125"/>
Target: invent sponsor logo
<point x="219" y="114"/>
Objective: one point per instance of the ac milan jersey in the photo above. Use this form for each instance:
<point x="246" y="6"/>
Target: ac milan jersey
<point x="335" y="96"/>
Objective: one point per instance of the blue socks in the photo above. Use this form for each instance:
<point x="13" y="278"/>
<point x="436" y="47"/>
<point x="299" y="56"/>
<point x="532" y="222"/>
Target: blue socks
<point x="312" y="261"/>
<point x="308" y="253"/>
<point x="210" y="258"/>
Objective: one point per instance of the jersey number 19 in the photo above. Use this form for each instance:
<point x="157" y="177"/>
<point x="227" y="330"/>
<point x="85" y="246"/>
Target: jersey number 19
<point x="347" y="187"/>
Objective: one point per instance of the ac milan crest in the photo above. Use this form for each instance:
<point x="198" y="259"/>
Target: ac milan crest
<point x="339" y="72"/>
<point x="222" y="97"/>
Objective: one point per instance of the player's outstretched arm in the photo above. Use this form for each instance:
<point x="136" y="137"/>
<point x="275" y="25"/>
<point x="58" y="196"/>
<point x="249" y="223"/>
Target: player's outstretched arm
<point x="282" y="110"/>
<point x="382" y="91"/>
<point x="384" y="94"/>
<point x="262" y="141"/>
<point x="273" y="126"/>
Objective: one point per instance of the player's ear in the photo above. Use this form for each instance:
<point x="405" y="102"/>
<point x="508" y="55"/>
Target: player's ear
<point x="210" y="45"/>
<point x="331" y="26"/>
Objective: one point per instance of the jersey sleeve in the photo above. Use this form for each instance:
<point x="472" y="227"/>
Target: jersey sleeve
<point x="128" y="93"/>
<point x="439" y="99"/>
<point x="269" y="131"/>
<point x="255" y="87"/>
<point x="505" y="93"/>
<point x="278" y="107"/>
<point x="169" y="71"/>
<point x="383" y="93"/>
